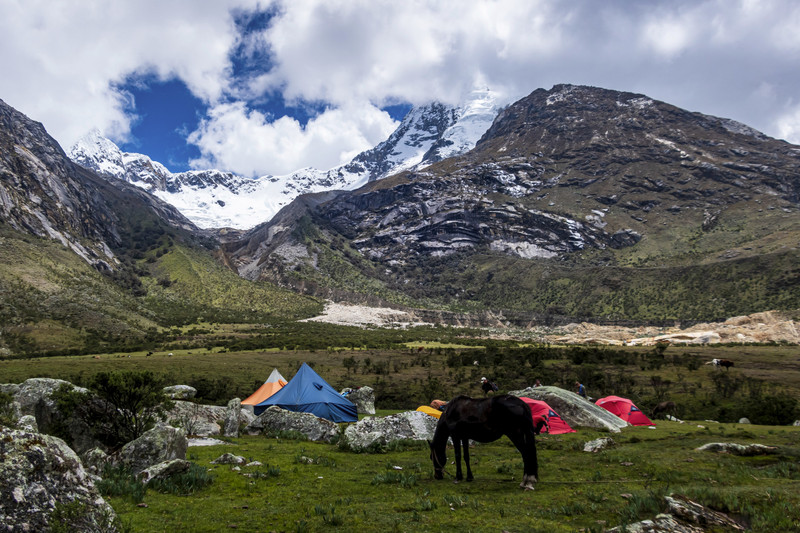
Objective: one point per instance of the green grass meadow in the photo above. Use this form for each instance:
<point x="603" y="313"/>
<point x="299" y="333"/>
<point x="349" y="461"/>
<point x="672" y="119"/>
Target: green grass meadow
<point x="305" y="486"/>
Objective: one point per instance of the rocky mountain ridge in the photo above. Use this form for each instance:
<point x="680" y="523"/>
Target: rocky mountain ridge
<point x="217" y="199"/>
<point x="564" y="180"/>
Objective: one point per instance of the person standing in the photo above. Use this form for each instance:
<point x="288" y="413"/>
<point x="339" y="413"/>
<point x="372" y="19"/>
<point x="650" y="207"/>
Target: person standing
<point x="581" y="389"/>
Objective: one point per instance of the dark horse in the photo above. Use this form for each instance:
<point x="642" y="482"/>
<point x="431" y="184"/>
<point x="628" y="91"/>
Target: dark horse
<point x="485" y="420"/>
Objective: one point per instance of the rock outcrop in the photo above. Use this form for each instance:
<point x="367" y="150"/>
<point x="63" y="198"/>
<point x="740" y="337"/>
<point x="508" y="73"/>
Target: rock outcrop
<point x="162" y="443"/>
<point x="411" y="425"/>
<point x="738" y="449"/>
<point x="164" y="470"/>
<point x="39" y="475"/>
<point x="575" y="411"/>
<point x="363" y="398"/>
<point x="276" y="419"/>
<point x="180" y="392"/>
<point x="196" y="419"/>
<point x="233" y="417"/>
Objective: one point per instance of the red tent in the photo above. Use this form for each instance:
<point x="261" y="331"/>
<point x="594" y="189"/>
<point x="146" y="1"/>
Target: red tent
<point x="540" y="410"/>
<point x="624" y="408"/>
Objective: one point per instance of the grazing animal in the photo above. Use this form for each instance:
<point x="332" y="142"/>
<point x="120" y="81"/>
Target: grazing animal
<point x="665" y="408"/>
<point x="485" y="420"/>
<point x="727" y="363"/>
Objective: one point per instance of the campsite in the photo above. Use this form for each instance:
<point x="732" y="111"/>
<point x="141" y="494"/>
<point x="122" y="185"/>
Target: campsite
<point x="294" y="484"/>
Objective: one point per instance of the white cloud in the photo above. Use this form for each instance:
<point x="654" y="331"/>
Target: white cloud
<point x="247" y="143"/>
<point x="788" y="125"/>
<point x="62" y="58"/>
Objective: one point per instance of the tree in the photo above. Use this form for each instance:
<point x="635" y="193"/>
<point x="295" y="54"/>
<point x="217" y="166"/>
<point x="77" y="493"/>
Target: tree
<point x="119" y="406"/>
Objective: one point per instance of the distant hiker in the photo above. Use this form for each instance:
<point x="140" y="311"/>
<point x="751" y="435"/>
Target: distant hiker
<point x="488" y="386"/>
<point x="537" y="383"/>
<point x="581" y="389"/>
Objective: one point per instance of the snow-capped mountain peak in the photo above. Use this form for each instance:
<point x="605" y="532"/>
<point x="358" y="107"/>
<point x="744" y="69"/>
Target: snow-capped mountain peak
<point x="217" y="199"/>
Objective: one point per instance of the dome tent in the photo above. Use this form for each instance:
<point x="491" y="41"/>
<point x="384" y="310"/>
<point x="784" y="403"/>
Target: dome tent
<point x="625" y="409"/>
<point x="555" y="424"/>
<point x="274" y="383"/>
<point x="307" y="392"/>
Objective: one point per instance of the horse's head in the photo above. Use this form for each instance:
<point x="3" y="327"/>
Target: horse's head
<point x="439" y="459"/>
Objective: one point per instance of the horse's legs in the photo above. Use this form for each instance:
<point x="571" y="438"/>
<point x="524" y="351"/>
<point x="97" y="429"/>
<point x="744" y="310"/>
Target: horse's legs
<point x="465" y="444"/>
<point x="457" y="453"/>
<point x="526" y="444"/>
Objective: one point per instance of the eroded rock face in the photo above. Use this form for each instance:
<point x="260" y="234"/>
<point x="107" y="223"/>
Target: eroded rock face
<point x="575" y="410"/>
<point x="276" y="419"/>
<point x="413" y="425"/>
<point x="38" y="475"/>
<point x="363" y="398"/>
<point x="162" y="443"/>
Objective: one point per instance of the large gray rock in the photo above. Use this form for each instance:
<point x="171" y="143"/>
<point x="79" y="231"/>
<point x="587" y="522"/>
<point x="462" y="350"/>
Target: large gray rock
<point x="276" y="419"/>
<point x="180" y="392"/>
<point x="196" y="419"/>
<point x="233" y="414"/>
<point x="575" y="410"/>
<point x="38" y="475"/>
<point x="35" y="398"/>
<point x="411" y="425"/>
<point x="162" y="443"/>
<point x="738" y="449"/>
<point x="363" y="398"/>
<point x="164" y="470"/>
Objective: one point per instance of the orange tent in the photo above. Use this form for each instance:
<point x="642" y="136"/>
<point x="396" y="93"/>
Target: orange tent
<point x="274" y="383"/>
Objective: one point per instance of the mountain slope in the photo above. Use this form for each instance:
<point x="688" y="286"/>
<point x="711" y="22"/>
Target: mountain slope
<point x="86" y="265"/>
<point x="578" y="201"/>
<point x="216" y="199"/>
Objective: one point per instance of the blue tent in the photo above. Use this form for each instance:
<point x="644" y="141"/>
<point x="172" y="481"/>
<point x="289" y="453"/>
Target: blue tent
<point x="306" y="392"/>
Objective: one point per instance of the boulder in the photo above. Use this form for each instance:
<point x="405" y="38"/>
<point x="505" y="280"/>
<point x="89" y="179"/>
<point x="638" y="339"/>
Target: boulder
<point x="40" y="474"/>
<point x="164" y="470"/>
<point x="233" y="413"/>
<point x="276" y="419"/>
<point x="363" y="398"/>
<point x="95" y="461"/>
<point x="28" y="423"/>
<point x="162" y="443"/>
<point x="738" y="449"/>
<point x="229" y="459"/>
<point x="575" y="410"/>
<point x="744" y="420"/>
<point x="35" y="398"/>
<point x="412" y="425"/>
<point x="196" y="419"/>
<point x="598" y="445"/>
<point x="180" y="392"/>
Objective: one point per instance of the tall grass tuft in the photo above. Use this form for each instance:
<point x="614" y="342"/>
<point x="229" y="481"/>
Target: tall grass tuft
<point x="120" y="482"/>
<point x="185" y="483"/>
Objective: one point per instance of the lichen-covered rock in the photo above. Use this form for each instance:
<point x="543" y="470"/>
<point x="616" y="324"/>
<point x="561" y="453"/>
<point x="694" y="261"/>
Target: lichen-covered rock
<point x="575" y="411"/>
<point x="162" y="443"/>
<point x="95" y="460"/>
<point x="164" y="470"/>
<point x="229" y="459"/>
<point x="276" y="419"/>
<point x="233" y="413"/>
<point x="39" y="475"/>
<point x="598" y="445"/>
<point x="196" y="419"/>
<point x="411" y="425"/>
<point x="28" y="423"/>
<point x="738" y="449"/>
<point x="363" y="398"/>
<point x="180" y="392"/>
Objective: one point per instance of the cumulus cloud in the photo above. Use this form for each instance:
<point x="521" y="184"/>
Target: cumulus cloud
<point x="62" y="60"/>
<point x="247" y="142"/>
<point x="63" y="63"/>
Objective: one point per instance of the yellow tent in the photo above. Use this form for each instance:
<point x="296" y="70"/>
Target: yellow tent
<point x="430" y="411"/>
<point x="274" y="383"/>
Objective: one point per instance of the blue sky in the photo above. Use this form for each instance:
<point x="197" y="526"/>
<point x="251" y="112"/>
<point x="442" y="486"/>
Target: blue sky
<point x="267" y="87"/>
